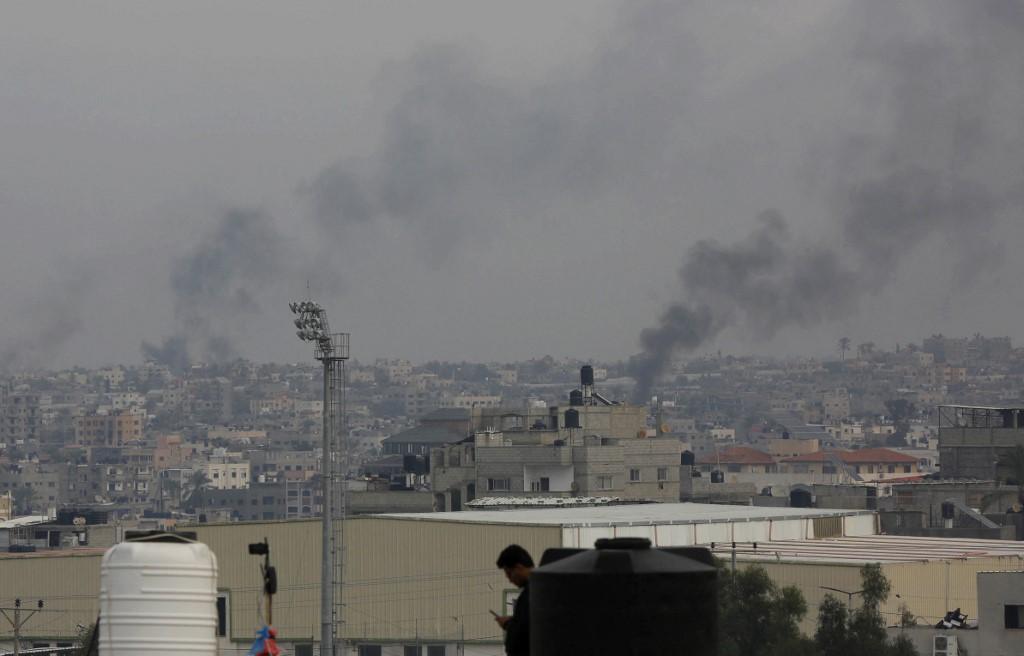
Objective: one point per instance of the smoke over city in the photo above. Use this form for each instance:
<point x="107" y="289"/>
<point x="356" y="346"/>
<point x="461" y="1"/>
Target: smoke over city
<point x="217" y="286"/>
<point x="803" y="169"/>
<point x="936" y="170"/>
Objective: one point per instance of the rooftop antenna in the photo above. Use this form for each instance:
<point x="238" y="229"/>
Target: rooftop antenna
<point x="331" y="349"/>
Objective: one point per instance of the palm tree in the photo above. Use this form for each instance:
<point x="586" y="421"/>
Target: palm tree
<point x="844" y="346"/>
<point x="197" y="484"/>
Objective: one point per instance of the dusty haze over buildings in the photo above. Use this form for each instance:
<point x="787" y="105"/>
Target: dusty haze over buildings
<point x="481" y="181"/>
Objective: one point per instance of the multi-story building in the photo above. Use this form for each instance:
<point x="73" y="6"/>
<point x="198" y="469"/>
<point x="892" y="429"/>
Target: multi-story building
<point x="21" y="417"/>
<point x="492" y="465"/>
<point x="227" y="475"/>
<point x="109" y="429"/>
<point x="836" y="404"/>
<point x="862" y="464"/>
<point x="974" y="442"/>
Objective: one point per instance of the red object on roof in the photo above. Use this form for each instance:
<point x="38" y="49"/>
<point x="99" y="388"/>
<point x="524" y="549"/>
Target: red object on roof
<point x="736" y="455"/>
<point x="859" y="457"/>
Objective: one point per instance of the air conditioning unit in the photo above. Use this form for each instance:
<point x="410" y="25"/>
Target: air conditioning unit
<point x="943" y="645"/>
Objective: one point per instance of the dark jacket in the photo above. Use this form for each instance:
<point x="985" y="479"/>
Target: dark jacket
<point x="517" y="630"/>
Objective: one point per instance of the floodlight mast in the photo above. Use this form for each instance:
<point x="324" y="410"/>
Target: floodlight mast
<point x="332" y="350"/>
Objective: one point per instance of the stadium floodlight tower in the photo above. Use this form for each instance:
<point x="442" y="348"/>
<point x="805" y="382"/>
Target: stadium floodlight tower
<point x="331" y="349"/>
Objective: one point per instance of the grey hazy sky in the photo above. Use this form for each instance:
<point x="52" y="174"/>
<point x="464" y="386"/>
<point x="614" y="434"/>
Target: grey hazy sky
<point x="494" y="180"/>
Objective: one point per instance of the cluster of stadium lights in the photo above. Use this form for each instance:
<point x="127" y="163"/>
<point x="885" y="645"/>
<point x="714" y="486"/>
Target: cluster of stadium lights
<point x="311" y="322"/>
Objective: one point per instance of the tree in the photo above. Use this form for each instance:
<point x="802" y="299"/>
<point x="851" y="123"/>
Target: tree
<point x="197" y="484"/>
<point x="756" y="618"/>
<point x="848" y="632"/>
<point x="23" y="498"/>
<point x="900" y="411"/>
<point x="844" y="346"/>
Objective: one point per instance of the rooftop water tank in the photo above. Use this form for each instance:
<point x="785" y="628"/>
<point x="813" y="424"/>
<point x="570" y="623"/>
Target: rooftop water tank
<point x="625" y="599"/>
<point x="158" y="596"/>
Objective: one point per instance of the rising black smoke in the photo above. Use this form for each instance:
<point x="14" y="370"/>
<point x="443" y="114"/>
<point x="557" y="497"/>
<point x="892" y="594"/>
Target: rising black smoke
<point x="217" y="285"/>
<point x="943" y="168"/>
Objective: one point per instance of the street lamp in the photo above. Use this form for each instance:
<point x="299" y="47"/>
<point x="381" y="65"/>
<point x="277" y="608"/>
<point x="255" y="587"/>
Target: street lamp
<point x="332" y="350"/>
<point x="849" y="595"/>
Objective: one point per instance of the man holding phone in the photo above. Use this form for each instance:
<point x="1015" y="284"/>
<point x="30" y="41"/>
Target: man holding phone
<point x="517" y="565"/>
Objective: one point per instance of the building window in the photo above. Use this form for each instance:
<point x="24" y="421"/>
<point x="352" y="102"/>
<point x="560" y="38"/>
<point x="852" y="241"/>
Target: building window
<point x="412" y="650"/>
<point x="662" y="473"/>
<point x="906" y="469"/>
<point x="498" y="484"/>
<point x="604" y="482"/>
<point x="634" y="475"/>
<point x="435" y="650"/>
<point x="222" y="614"/>
<point x="304" y="650"/>
<point x="369" y="650"/>
<point x="542" y="485"/>
<point x="1014" y="616"/>
<point x="734" y="468"/>
<point x="891" y="469"/>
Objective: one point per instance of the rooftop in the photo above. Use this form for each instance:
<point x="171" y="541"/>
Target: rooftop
<point x="426" y="435"/>
<point x="628" y="515"/>
<point x="859" y="456"/>
<point x="742" y="455"/>
<point x="875" y="549"/>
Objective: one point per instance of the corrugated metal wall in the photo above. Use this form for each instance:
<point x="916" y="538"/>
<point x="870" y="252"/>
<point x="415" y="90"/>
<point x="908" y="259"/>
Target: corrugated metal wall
<point x="928" y="589"/>
<point x="69" y="585"/>
<point x="432" y="579"/>
<point x="294" y="552"/>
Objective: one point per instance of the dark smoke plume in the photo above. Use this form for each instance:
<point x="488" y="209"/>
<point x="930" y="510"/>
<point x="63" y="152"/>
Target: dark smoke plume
<point x="939" y="170"/>
<point x="217" y="286"/>
<point x="51" y="322"/>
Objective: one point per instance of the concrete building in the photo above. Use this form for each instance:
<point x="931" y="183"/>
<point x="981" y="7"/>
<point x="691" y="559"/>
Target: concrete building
<point x="227" y="475"/>
<point x="862" y="464"/>
<point x="109" y="429"/>
<point x="973" y="440"/>
<point x="21" y="417"/>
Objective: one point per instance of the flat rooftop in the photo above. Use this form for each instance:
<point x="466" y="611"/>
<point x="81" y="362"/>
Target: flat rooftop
<point x="647" y="514"/>
<point x="873" y="549"/>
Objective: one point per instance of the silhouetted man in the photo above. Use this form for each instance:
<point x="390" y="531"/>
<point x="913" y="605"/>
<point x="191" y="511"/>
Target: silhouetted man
<point x="517" y="565"/>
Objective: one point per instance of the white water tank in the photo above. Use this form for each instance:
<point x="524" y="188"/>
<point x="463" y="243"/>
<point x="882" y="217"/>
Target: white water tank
<point x="158" y="596"/>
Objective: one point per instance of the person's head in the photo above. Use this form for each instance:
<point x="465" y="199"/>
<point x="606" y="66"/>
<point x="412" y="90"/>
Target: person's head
<point x="516" y="563"/>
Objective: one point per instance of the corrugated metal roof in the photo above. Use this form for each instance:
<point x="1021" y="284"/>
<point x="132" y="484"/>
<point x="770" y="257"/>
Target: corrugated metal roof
<point x="628" y="515"/>
<point x="874" y="549"/>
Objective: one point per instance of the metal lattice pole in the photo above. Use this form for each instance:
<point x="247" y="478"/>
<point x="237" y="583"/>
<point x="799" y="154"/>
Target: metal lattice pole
<point x="331" y="349"/>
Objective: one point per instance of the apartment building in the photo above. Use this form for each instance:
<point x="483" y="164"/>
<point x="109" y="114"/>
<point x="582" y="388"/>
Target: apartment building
<point x="109" y="429"/>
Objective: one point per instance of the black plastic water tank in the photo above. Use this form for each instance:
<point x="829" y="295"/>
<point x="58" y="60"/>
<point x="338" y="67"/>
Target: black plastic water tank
<point x="572" y="419"/>
<point x="625" y="599"/>
<point x="587" y="375"/>
<point x="575" y="397"/>
<point x="687" y="458"/>
<point x="948" y="510"/>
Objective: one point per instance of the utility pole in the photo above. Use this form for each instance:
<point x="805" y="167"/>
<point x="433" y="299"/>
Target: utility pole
<point x="18" y="621"/>
<point x="331" y="349"/>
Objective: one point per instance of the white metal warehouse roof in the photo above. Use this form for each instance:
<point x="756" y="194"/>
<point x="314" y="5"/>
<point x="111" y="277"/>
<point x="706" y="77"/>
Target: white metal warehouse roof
<point x="629" y="515"/>
<point x="873" y="549"/>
